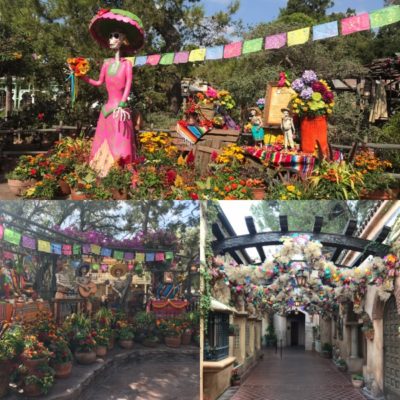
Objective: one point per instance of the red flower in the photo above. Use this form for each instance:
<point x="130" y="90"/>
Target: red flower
<point x="59" y="170"/>
<point x="234" y="186"/>
<point x="190" y="158"/>
<point x="194" y="196"/>
<point x="227" y="189"/>
<point x="231" y="178"/>
<point x="103" y="11"/>
<point x="214" y="156"/>
<point x="40" y="116"/>
<point x="33" y="171"/>
<point x="171" y="176"/>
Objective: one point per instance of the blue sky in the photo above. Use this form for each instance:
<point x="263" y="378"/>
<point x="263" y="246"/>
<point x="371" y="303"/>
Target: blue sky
<point x="255" y="11"/>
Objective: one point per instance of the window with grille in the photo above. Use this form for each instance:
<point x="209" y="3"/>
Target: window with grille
<point x="216" y="346"/>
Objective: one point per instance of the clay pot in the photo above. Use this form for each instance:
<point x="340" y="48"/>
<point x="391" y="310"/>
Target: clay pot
<point x="357" y="384"/>
<point x="78" y="196"/>
<point x="62" y="370"/>
<point x="186" y="338"/>
<point x="32" y="390"/>
<point x="18" y="187"/>
<point x="149" y="343"/>
<point x="380" y="194"/>
<point x="85" y="358"/>
<point x="126" y="344"/>
<point x="119" y="194"/>
<point x="101" y="351"/>
<point x="258" y="193"/>
<point x="64" y="187"/>
<point x="32" y="365"/>
<point x="5" y="372"/>
<point x="173" y="341"/>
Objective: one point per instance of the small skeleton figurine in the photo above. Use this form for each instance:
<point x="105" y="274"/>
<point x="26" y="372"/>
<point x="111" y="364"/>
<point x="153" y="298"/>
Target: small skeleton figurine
<point x="257" y="129"/>
<point x="288" y="129"/>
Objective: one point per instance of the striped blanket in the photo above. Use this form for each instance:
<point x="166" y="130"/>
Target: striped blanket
<point x="190" y="133"/>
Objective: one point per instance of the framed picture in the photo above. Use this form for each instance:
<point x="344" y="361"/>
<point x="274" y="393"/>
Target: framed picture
<point x="168" y="277"/>
<point x="276" y="98"/>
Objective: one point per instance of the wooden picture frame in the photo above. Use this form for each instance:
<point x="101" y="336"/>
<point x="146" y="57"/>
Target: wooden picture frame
<point x="168" y="277"/>
<point x="276" y="98"/>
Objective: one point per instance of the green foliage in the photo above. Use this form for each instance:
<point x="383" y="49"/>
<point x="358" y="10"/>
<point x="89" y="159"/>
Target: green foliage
<point x="327" y="347"/>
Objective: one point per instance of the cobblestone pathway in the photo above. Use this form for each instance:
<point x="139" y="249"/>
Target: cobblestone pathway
<point x="174" y="378"/>
<point x="299" y="375"/>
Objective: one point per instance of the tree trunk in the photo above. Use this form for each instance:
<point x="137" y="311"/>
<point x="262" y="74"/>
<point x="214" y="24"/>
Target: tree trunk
<point x="9" y="99"/>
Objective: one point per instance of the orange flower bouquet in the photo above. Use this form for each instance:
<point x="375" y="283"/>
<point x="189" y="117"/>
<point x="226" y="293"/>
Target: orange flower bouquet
<point x="79" y="67"/>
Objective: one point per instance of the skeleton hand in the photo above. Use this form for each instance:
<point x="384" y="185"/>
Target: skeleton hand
<point x="121" y="114"/>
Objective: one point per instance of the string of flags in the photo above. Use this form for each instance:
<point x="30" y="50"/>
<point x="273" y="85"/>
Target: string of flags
<point x="358" y="23"/>
<point x="16" y="238"/>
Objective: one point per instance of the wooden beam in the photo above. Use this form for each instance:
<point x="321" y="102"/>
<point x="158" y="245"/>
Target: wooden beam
<point x="236" y="257"/>
<point x="319" y="221"/>
<point x="348" y="231"/>
<point x="250" y="225"/>
<point x="217" y="232"/>
<point x="283" y="222"/>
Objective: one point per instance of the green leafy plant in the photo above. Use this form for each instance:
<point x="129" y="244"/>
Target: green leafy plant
<point x="61" y="351"/>
<point x="118" y="178"/>
<point x="357" y="377"/>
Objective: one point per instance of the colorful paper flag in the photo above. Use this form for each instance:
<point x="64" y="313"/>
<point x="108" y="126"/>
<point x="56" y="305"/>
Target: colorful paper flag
<point x="214" y="53"/>
<point x="275" y="41"/>
<point x="86" y="249"/>
<point x="197" y="55"/>
<point x="252" y="46"/>
<point x="67" y="250"/>
<point x="44" y="246"/>
<point x="384" y="16"/>
<point x="298" y="36"/>
<point x="169" y="255"/>
<point x="357" y="23"/>
<point x="8" y="255"/>
<point x="94" y="249"/>
<point x="232" y="50"/>
<point x="56" y="248"/>
<point x="28" y="242"/>
<point x="1" y="231"/>
<point x="77" y="249"/>
<point x="160" y="256"/>
<point x="131" y="60"/>
<point x="12" y="236"/>
<point x="325" y="31"/>
<point x="150" y="257"/>
<point x="181" y="57"/>
<point x="141" y="60"/>
<point x="153" y="59"/>
<point x="167" y="59"/>
<point x="118" y="255"/>
<point x="105" y="252"/>
<point x="129" y="256"/>
<point x="140" y="257"/>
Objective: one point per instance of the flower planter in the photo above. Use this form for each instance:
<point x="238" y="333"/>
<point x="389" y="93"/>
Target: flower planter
<point x="101" y="351"/>
<point x="313" y="129"/>
<point x="18" y="187"/>
<point x="150" y="343"/>
<point x="357" y="383"/>
<point x="186" y="338"/>
<point x="207" y="110"/>
<point x="85" y="358"/>
<point x="119" y="194"/>
<point x="5" y="372"/>
<point x="235" y="382"/>
<point x="126" y="344"/>
<point x="32" y="365"/>
<point x="78" y="195"/>
<point x="62" y="370"/>
<point x="258" y="193"/>
<point x="173" y="341"/>
<point x="380" y="194"/>
<point x="65" y="189"/>
<point x="32" y="390"/>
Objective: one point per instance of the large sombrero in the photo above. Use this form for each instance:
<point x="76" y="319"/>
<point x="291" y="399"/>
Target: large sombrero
<point x="107" y="21"/>
<point x="118" y="267"/>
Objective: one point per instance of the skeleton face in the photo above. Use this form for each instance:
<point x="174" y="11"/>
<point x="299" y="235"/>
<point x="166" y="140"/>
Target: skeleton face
<point x="116" y="40"/>
<point x="286" y="113"/>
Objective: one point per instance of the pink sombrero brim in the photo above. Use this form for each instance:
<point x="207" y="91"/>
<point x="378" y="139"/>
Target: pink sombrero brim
<point x="102" y="25"/>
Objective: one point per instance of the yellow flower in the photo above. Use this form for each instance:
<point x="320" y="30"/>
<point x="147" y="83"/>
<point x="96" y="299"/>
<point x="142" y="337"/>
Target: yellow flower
<point x="291" y="188"/>
<point x="178" y="181"/>
<point x="283" y="197"/>
<point x="181" y="160"/>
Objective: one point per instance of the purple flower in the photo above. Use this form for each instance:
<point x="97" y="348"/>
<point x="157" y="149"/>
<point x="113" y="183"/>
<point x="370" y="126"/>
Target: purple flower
<point x="328" y="97"/>
<point x="298" y="85"/>
<point x="309" y="77"/>
<point x="306" y="93"/>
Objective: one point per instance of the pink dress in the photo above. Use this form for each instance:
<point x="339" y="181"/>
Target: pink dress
<point x="114" y="139"/>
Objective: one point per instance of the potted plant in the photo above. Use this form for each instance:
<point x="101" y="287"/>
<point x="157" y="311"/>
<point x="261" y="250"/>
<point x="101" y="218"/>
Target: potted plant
<point x="326" y="350"/>
<point x="102" y="340"/>
<point x="145" y="323"/>
<point x="235" y="377"/>
<point x="270" y="337"/>
<point x="341" y="364"/>
<point x="118" y="180"/>
<point x="47" y="188"/>
<point x="357" y="380"/>
<point x="368" y="329"/>
<point x="125" y="334"/>
<point x="35" y="385"/>
<point x="85" y="350"/>
<point x="19" y="180"/>
<point x="35" y="354"/>
<point x="62" y="358"/>
<point x="172" y="332"/>
<point x="231" y="330"/>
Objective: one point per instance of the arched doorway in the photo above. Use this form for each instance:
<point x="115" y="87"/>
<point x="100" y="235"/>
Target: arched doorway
<point x="296" y="326"/>
<point x="391" y="345"/>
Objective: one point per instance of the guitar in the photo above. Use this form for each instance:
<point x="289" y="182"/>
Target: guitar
<point x="87" y="290"/>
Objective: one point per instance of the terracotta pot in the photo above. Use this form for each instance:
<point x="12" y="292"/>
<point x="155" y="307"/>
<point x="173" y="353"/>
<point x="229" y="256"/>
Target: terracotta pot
<point x="258" y="193"/>
<point x="313" y="129"/>
<point x="126" y="344"/>
<point x="186" y="338"/>
<point x="18" y="187"/>
<point x="32" y="365"/>
<point x="85" y="358"/>
<point x="149" y="343"/>
<point x="119" y="194"/>
<point x="5" y="372"/>
<point x="78" y="196"/>
<point x="62" y="370"/>
<point x="32" y="390"/>
<point x="357" y="384"/>
<point x="64" y="187"/>
<point x="380" y="194"/>
<point x="173" y="341"/>
<point x="101" y="351"/>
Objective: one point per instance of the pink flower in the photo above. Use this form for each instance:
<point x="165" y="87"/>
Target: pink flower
<point x="211" y="92"/>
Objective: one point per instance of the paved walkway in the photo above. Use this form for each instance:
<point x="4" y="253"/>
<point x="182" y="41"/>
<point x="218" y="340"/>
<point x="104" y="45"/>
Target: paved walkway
<point x="299" y="375"/>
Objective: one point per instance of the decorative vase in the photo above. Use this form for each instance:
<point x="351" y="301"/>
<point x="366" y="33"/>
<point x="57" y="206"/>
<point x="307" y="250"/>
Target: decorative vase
<point x="85" y="358"/>
<point x="126" y="344"/>
<point x="173" y="341"/>
<point x="186" y="338"/>
<point x="5" y="372"/>
<point x="258" y="193"/>
<point x="119" y="194"/>
<point x="18" y="187"/>
<point x="313" y="129"/>
<point x="65" y="189"/>
<point x="62" y="370"/>
<point x="357" y="383"/>
<point x="101" y="351"/>
<point x="32" y="390"/>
